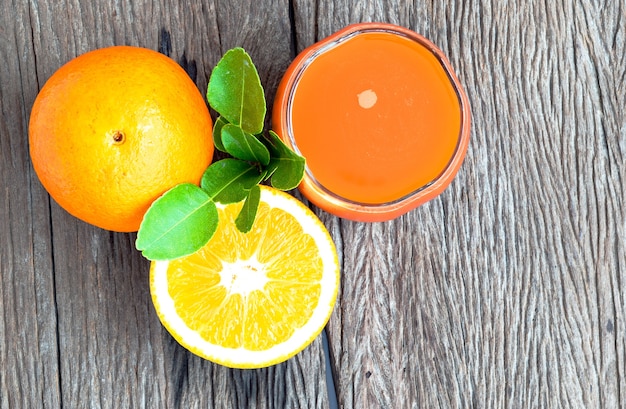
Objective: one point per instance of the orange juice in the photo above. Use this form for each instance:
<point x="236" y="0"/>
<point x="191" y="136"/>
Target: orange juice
<point x="379" y="118"/>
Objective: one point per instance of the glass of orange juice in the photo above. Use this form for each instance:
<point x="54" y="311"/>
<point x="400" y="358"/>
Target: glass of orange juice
<point x="380" y="117"/>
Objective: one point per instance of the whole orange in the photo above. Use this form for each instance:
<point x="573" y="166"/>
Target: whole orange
<point x="113" y="129"/>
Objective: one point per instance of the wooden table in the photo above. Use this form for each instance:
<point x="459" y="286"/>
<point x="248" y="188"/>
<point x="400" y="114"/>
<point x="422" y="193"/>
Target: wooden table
<point x="507" y="291"/>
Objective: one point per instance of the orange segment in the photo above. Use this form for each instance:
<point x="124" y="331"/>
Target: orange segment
<point x="251" y="299"/>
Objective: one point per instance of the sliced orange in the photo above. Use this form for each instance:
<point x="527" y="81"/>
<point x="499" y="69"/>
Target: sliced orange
<point x="250" y="300"/>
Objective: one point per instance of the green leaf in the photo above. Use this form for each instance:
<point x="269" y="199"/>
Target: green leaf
<point x="229" y="180"/>
<point x="286" y="167"/>
<point x="185" y="218"/>
<point x="217" y="133"/>
<point x="247" y="214"/>
<point x="177" y="224"/>
<point x="243" y="145"/>
<point x="235" y="91"/>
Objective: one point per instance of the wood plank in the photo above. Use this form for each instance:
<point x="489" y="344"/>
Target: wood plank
<point x="508" y="289"/>
<point x="113" y="350"/>
<point x="28" y="342"/>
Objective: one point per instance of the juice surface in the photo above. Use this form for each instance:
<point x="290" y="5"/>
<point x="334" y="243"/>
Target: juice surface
<point x="376" y="117"/>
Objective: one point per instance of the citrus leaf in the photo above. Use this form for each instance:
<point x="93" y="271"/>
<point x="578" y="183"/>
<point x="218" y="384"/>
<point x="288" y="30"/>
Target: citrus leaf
<point x="235" y="91"/>
<point x="229" y="180"/>
<point x="217" y="133"/>
<point x="286" y="167"/>
<point x="177" y="224"/>
<point x="243" y="145"/>
<point x="247" y="214"/>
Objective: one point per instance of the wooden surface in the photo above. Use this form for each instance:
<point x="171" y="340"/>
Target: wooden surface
<point x="507" y="291"/>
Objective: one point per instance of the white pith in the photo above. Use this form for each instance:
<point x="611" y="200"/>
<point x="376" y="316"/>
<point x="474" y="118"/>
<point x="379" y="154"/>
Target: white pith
<point x="243" y="276"/>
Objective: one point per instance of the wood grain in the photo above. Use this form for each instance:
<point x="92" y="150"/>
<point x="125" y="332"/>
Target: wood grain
<point x="97" y="341"/>
<point x="507" y="291"/>
<point x="28" y="324"/>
